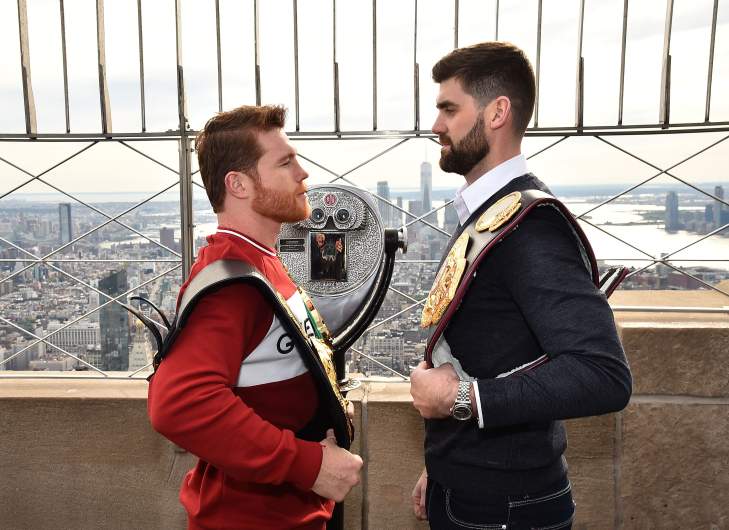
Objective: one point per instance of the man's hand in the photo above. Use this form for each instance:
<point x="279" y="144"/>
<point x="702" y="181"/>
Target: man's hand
<point x="419" y="496"/>
<point x="350" y="410"/>
<point x="434" y="390"/>
<point x="339" y="470"/>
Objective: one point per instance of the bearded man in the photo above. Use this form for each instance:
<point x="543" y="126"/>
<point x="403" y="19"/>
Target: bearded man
<point x="522" y="336"/>
<point x="234" y="389"/>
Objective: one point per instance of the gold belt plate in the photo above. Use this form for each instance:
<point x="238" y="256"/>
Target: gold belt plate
<point x="446" y="282"/>
<point x="499" y="213"/>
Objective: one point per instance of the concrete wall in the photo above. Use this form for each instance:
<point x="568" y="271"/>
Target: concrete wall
<point x="80" y="454"/>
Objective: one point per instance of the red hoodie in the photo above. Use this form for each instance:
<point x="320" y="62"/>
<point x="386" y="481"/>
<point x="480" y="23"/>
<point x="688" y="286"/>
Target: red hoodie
<point x="233" y="390"/>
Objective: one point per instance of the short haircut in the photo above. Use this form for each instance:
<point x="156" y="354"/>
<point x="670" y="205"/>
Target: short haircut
<point x="491" y="69"/>
<point x="229" y="142"/>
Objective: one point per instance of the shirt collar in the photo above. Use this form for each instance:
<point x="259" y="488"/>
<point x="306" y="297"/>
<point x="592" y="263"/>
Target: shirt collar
<point x="258" y="246"/>
<point x="470" y="197"/>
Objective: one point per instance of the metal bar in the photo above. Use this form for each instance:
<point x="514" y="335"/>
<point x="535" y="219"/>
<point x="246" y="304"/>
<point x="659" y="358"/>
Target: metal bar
<point x="65" y="64"/>
<point x="187" y="226"/>
<point x="256" y="51"/>
<point x="31" y="126"/>
<point x="34" y="177"/>
<point x="712" y="233"/>
<point x="416" y="72"/>
<point x="110" y="301"/>
<point x="406" y="378"/>
<point x="72" y="277"/>
<point x="220" y="65"/>
<point x="539" y="59"/>
<point x="140" y="34"/>
<point x="405" y="295"/>
<point x="702" y="282"/>
<point x="181" y="100"/>
<point x="184" y="149"/>
<point x="618" y="238"/>
<point x="422" y="217"/>
<point x="59" y="348"/>
<point x="110" y="220"/>
<point x="385" y="320"/>
<point x="580" y="83"/>
<point x="90" y="206"/>
<point x="37" y="260"/>
<point x="296" y="62"/>
<point x="546" y="148"/>
<point x="539" y="132"/>
<point x="101" y="55"/>
<point x="496" y="37"/>
<point x="145" y="155"/>
<point x="94" y="136"/>
<point x="667" y="171"/>
<point x="660" y="172"/>
<point x="378" y="155"/>
<point x="710" y="74"/>
<point x="622" y="62"/>
<point x="142" y="369"/>
<point x="335" y="66"/>
<point x="455" y="23"/>
<point x="664" y="110"/>
<point x="374" y="65"/>
<point x="45" y="260"/>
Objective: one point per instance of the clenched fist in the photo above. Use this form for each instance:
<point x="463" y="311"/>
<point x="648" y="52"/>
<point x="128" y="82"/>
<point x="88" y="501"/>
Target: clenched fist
<point x="340" y="470"/>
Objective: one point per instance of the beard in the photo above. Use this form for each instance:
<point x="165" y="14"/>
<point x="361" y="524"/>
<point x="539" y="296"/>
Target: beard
<point x="464" y="155"/>
<point x="280" y="206"/>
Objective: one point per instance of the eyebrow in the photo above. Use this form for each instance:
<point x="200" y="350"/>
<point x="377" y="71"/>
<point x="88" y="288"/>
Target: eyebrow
<point x="445" y="103"/>
<point x="289" y="154"/>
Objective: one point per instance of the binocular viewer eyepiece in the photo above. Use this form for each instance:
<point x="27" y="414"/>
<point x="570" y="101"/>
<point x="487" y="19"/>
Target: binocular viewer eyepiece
<point x="343" y="257"/>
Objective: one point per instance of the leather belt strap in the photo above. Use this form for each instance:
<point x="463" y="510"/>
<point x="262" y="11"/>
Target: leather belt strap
<point x="481" y="244"/>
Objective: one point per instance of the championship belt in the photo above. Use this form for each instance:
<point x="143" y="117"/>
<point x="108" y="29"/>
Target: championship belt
<point x="472" y="246"/>
<point x="315" y="351"/>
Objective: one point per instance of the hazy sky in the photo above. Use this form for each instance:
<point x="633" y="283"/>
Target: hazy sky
<point x="111" y="167"/>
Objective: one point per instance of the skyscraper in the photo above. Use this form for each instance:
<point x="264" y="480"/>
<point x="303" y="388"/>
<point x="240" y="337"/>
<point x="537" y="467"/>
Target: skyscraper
<point x="426" y="186"/>
<point x="718" y="206"/>
<point x="450" y="219"/>
<point x="383" y="190"/>
<point x="167" y="237"/>
<point x="66" y="226"/>
<point x="426" y="195"/>
<point x="671" y="218"/>
<point x="114" y="323"/>
<point x="397" y="213"/>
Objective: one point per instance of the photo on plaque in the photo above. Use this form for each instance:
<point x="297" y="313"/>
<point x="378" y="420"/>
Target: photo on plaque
<point x="327" y="256"/>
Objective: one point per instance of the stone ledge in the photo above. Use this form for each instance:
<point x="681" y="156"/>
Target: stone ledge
<point x="678" y="359"/>
<point x="63" y="388"/>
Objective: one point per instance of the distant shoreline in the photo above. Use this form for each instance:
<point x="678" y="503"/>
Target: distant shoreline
<point x="595" y="192"/>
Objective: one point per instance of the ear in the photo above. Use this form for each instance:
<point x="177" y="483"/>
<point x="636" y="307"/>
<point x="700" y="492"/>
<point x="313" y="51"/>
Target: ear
<point x="237" y="185"/>
<point x="498" y="112"/>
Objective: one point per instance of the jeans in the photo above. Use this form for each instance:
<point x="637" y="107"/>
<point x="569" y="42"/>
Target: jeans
<point x="550" y="509"/>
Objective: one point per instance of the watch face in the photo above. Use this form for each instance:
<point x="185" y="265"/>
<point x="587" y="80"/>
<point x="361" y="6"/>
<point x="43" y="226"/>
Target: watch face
<point x="462" y="412"/>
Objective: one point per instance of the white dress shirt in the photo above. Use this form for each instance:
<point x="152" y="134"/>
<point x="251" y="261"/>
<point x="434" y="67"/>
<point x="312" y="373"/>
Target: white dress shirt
<point x="470" y="198"/>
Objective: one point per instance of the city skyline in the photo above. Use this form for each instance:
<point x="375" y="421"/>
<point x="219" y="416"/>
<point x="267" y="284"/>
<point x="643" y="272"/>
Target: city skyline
<point x="109" y="339"/>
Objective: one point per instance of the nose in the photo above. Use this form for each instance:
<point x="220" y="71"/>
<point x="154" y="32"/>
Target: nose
<point x="303" y="175"/>
<point x="438" y="126"/>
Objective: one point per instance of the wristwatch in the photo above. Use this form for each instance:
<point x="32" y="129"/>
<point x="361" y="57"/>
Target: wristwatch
<point x="461" y="409"/>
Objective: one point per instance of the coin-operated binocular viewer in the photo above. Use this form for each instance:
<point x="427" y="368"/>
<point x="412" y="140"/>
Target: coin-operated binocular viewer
<point x="343" y="257"/>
